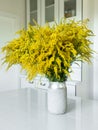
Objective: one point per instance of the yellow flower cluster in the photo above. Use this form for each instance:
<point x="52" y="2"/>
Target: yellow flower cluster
<point x="50" y="51"/>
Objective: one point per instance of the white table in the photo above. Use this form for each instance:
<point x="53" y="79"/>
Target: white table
<point x="26" y="109"/>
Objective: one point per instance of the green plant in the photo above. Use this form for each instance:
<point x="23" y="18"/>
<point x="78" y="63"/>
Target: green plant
<point x="50" y="51"/>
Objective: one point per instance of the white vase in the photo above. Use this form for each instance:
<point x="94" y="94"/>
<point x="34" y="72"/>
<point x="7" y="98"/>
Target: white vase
<point x="57" y="98"/>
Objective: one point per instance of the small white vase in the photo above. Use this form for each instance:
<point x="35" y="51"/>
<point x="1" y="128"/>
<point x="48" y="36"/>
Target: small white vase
<point x="57" y="98"/>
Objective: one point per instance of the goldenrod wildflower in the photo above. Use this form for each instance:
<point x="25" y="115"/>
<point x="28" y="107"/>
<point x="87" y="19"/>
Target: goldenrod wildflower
<point x="50" y="51"/>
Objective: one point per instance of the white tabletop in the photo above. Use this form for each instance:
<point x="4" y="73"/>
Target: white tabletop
<point x="26" y="109"/>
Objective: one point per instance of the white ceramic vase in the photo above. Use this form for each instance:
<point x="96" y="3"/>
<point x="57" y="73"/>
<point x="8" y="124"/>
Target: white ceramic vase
<point x="57" y="98"/>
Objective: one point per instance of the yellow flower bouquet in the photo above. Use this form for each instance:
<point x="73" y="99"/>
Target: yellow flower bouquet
<point x="50" y="51"/>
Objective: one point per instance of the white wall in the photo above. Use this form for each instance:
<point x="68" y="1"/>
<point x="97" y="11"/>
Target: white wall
<point x="89" y="86"/>
<point x="85" y="89"/>
<point x="88" y="12"/>
<point x="96" y="49"/>
<point x="12" y="18"/>
<point x="15" y="7"/>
